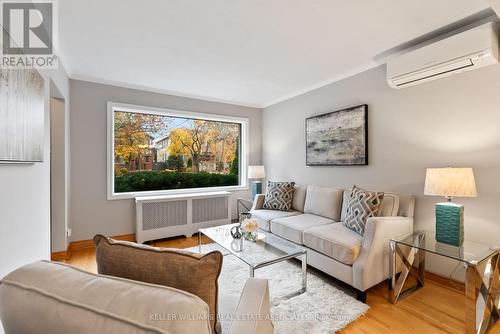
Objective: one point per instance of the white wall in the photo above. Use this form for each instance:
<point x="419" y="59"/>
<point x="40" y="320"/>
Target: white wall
<point x="90" y="211"/>
<point x="25" y="197"/>
<point x="453" y="121"/>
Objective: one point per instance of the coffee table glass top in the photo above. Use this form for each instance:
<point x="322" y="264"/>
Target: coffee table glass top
<point x="470" y="252"/>
<point x="267" y="248"/>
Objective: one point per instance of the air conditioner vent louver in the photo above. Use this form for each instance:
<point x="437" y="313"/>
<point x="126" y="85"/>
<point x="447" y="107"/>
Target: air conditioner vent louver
<point x="432" y="73"/>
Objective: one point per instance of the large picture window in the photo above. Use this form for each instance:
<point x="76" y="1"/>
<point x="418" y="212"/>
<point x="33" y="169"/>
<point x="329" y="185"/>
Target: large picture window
<point x="166" y="151"/>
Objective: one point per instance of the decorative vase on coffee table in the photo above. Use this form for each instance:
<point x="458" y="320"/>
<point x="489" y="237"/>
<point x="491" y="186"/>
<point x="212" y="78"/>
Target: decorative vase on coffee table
<point x="251" y="236"/>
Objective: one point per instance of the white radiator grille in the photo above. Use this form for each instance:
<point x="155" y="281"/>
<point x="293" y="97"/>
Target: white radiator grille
<point x="208" y="209"/>
<point x="164" y="214"/>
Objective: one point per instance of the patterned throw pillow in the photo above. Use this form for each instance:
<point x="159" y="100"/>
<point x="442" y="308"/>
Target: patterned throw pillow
<point x="361" y="205"/>
<point x="279" y="196"/>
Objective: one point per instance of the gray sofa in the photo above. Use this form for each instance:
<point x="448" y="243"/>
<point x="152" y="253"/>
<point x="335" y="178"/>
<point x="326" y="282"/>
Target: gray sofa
<point x="314" y="222"/>
<point x="48" y="297"/>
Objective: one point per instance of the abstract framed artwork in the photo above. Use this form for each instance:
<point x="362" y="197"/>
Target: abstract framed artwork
<point x="21" y="115"/>
<point x="338" y="138"/>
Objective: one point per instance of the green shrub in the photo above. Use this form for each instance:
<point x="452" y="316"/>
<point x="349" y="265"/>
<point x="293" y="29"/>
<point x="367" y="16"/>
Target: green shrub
<point x="166" y="180"/>
<point x="175" y="162"/>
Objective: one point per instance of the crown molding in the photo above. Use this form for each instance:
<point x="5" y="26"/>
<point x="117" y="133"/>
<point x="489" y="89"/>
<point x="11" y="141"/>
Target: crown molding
<point x="345" y="75"/>
<point x="162" y="91"/>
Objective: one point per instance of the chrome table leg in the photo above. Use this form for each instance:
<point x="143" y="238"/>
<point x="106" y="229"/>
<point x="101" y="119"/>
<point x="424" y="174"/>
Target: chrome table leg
<point x="304" y="272"/>
<point x="199" y="242"/>
<point x="414" y="258"/>
<point x="489" y="292"/>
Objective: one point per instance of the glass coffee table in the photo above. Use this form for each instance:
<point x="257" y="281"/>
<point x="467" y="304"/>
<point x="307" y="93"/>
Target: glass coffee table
<point x="482" y="283"/>
<point x="268" y="249"/>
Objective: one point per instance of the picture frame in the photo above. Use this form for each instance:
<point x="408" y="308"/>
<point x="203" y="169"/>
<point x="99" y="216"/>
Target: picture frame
<point x="22" y="115"/>
<point x="338" y="138"/>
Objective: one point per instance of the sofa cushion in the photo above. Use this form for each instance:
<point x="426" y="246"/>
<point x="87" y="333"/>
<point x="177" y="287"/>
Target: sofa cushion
<point x="264" y="217"/>
<point x="388" y="208"/>
<point x="279" y="196"/>
<point x="192" y="272"/>
<point x="299" y="197"/>
<point x="62" y="299"/>
<point x="291" y="228"/>
<point x="325" y="202"/>
<point x="335" y="241"/>
<point x="345" y="200"/>
<point x="362" y="205"/>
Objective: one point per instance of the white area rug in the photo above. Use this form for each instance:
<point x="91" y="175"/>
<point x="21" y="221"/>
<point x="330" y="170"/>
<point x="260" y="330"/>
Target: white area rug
<point x="322" y="309"/>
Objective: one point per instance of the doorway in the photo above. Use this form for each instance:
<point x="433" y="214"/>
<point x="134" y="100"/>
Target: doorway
<point x="58" y="178"/>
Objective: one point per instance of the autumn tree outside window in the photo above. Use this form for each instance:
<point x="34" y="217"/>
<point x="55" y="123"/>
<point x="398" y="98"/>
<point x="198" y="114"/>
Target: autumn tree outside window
<point x="166" y="151"/>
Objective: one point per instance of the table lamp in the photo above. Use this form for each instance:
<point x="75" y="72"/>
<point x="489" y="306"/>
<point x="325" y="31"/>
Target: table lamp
<point x="256" y="173"/>
<point x="450" y="182"/>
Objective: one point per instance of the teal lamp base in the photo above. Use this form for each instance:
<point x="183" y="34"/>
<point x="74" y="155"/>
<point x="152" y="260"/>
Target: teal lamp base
<point x="450" y="223"/>
<point x="256" y="188"/>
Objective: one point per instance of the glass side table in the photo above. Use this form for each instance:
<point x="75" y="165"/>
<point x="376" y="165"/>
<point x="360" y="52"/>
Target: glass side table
<point x="482" y="286"/>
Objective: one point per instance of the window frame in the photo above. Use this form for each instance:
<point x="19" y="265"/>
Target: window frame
<point x="116" y="106"/>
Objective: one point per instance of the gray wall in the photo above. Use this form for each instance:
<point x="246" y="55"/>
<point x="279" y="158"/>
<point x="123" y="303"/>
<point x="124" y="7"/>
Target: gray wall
<point x="59" y="166"/>
<point x="91" y="212"/>
<point x="453" y="121"/>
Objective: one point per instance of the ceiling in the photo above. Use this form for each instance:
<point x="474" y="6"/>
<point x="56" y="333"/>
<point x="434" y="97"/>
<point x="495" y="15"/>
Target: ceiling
<point x="247" y="52"/>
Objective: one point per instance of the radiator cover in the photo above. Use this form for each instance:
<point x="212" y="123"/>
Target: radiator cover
<point x="159" y="217"/>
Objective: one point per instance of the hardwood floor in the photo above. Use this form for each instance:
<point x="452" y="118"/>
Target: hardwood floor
<point x="435" y="308"/>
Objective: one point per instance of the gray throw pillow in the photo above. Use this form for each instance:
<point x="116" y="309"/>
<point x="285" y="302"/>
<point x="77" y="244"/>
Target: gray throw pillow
<point x="279" y="196"/>
<point x="361" y="205"/>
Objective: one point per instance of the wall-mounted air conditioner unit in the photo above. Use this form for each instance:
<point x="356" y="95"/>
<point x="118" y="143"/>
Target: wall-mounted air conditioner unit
<point x="465" y="51"/>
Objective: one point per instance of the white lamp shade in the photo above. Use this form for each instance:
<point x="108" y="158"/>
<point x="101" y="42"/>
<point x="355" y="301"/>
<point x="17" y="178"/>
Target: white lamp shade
<point x="256" y="172"/>
<point x="450" y="182"/>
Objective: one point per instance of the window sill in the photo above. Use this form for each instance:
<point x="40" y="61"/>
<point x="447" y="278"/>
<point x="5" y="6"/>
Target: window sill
<point x="121" y="196"/>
